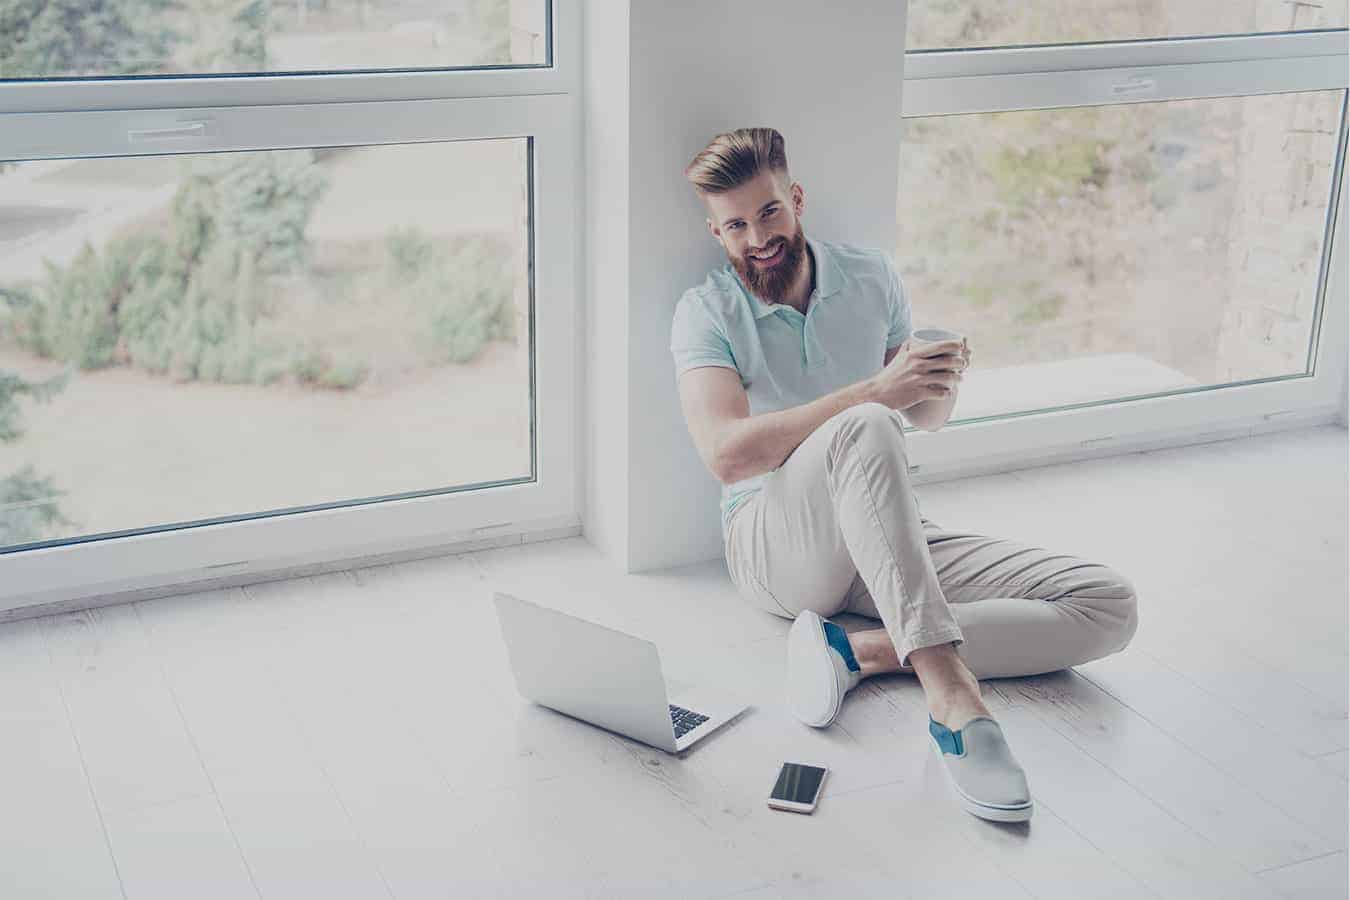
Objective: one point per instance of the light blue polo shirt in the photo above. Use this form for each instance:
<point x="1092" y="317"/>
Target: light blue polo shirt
<point x="858" y="311"/>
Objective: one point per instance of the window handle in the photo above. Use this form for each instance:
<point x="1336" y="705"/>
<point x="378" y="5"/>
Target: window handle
<point x="1134" y="86"/>
<point x="185" y="130"/>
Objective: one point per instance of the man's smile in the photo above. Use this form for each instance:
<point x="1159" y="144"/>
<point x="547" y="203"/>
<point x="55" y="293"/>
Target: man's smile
<point x="771" y="259"/>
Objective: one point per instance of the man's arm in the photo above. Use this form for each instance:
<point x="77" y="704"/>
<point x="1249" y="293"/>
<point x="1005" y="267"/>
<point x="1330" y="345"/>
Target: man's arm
<point x="734" y="444"/>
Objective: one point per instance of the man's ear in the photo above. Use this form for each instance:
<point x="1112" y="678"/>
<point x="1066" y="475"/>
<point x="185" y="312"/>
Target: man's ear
<point x="712" y="229"/>
<point x="798" y="198"/>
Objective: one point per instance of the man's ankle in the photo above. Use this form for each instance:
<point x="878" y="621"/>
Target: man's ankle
<point x="957" y="706"/>
<point x="874" y="651"/>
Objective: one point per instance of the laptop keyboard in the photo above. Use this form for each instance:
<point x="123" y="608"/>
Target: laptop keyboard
<point x="685" y="720"/>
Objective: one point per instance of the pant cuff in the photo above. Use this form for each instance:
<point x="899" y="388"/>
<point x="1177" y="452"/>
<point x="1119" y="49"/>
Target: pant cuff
<point x="925" y="639"/>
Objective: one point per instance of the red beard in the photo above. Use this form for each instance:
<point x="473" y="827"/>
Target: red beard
<point x="771" y="285"/>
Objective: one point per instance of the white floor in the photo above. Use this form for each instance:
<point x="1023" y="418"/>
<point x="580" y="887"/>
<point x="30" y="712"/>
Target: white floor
<point x="359" y="735"/>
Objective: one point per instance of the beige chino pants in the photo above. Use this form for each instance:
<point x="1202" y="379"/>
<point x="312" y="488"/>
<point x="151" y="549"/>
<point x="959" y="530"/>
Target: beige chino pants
<point x="837" y="528"/>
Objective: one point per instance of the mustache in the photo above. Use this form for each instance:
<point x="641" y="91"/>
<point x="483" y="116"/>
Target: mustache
<point x="771" y="247"/>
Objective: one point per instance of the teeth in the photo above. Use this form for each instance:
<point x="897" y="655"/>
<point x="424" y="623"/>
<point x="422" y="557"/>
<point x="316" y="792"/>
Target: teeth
<point x="769" y="255"/>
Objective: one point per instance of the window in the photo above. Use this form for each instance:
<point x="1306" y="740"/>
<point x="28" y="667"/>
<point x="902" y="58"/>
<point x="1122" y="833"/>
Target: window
<point x="307" y="326"/>
<point x="93" y="38"/>
<point x="946" y="24"/>
<point x="237" y="335"/>
<point x="1146" y="229"/>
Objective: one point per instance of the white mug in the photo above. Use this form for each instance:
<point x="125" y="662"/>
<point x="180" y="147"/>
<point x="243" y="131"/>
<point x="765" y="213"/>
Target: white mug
<point x="931" y="335"/>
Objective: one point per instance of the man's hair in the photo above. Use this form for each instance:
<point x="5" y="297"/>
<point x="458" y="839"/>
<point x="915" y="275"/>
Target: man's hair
<point x="735" y="157"/>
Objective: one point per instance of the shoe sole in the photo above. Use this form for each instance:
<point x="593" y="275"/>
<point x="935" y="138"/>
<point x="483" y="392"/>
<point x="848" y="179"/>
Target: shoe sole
<point x="819" y="650"/>
<point x="992" y="812"/>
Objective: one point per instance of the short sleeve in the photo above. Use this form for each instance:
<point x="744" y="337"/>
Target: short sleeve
<point x="897" y="302"/>
<point x="695" y="339"/>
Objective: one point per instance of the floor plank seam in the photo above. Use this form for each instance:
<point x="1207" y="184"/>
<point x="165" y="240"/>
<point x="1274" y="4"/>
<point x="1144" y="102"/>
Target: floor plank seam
<point x="305" y="736"/>
<point x="1220" y="851"/>
<point x="79" y="752"/>
<point x="1298" y="862"/>
<point x="1329" y="753"/>
<point x="196" y="750"/>
<point x="1237" y="778"/>
<point x="1228" y="704"/>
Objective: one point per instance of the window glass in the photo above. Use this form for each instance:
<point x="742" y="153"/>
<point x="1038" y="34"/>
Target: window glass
<point x="1103" y="252"/>
<point x="185" y="338"/>
<point x="993" y="23"/>
<point x="81" y="38"/>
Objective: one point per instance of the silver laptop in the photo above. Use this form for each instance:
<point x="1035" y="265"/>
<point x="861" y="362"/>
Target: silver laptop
<point x="604" y="677"/>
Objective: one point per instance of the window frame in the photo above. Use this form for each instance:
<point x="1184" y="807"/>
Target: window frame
<point x="340" y="86"/>
<point x="968" y="81"/>
<point x="182" y="115"/>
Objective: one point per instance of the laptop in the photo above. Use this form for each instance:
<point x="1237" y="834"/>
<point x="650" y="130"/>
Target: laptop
<point x="605" y="677"/>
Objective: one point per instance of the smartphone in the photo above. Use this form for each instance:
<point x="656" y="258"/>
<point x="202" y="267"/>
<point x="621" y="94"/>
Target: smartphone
<point x="798" y="787"/>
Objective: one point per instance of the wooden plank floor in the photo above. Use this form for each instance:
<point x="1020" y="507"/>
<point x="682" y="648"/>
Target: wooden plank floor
<point x="359" y="735"/>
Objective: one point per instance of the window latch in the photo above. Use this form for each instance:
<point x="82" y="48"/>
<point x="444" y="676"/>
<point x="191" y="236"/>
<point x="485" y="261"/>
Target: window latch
<point x="184" y="130"/>
<point x="1134" y="86"/>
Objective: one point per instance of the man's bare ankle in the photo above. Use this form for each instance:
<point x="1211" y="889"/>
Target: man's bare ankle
<point x="874" y="651"/>
<point x="955" y="704"/>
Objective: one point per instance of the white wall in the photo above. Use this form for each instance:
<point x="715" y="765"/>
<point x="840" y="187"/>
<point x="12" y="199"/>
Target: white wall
<point x="694" y="69"/>
<point x="605" y="130"/>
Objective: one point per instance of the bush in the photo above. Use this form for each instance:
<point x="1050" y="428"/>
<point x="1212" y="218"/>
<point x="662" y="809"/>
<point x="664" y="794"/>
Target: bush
<point x="410" y="251"/>
<point x="1025" y="177"/>
<point x="73" y="316"/>
<point x="317" y="368"/>
<point x="463" y="295"/>
<point x="190" y="304"/>
<point x="260" y="202"/>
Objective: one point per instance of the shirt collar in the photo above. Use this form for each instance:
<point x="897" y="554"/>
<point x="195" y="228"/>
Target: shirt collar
<point x="828" y="280"/>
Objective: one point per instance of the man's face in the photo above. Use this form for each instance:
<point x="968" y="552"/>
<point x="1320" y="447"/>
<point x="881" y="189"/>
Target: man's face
<point x="759" y="226"/>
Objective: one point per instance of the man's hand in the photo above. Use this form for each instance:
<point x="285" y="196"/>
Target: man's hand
<point x="933" y="413"/>
<point x="928" y="372"/>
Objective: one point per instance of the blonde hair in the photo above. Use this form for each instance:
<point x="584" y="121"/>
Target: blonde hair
<point x="735" y="157"/>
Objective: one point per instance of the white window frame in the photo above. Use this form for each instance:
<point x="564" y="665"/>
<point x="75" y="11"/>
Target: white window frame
<point x="156" y="116"/>
<point x="956" y="82"/>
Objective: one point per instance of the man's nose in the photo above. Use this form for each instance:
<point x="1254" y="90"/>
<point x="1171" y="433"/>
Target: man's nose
<point x="757" y="237"/>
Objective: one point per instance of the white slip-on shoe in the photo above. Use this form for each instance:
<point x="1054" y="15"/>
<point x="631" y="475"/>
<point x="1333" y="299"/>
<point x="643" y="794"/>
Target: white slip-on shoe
<point x="821" y="669"/>
<point x="981" y="769"/>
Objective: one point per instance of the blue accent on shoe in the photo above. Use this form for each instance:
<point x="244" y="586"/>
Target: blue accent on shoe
<point x="838" y="639"/>
<point x="950" y="741"/>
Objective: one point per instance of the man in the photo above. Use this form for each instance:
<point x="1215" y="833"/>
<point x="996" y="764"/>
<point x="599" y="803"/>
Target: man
<point x="794" y="369"/>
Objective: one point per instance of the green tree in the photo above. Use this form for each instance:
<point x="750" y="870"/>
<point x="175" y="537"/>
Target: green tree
<point x="189" y="303"/>
<point x="54" y="38"/>
<point x="27" y="500"/>
<point x="62" y="38"/>
<point x="228" y="35"/>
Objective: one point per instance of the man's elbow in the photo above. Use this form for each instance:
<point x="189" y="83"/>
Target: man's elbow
<point x="729" y="465"/>
<point x="724" y="460"/>
<point x="725" y="469"/>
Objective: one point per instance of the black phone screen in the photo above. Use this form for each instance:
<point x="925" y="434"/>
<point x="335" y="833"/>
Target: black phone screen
<point x="797" y="783"/>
